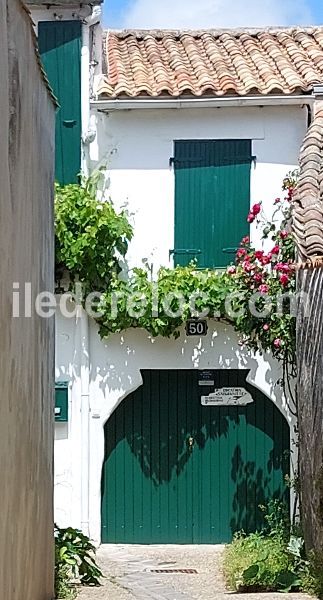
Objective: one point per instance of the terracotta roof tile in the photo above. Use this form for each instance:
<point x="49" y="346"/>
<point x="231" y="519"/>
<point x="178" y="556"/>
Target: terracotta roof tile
<point x="308" y="199"/>
<point x="211" y="62"/>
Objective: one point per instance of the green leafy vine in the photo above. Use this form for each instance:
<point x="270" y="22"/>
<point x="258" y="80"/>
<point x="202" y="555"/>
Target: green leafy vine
<point x="254" y="294"/>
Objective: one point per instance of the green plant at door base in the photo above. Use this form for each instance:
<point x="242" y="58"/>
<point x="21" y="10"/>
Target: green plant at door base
<point x="74" y="561"/>
<point x="272" y="559"/>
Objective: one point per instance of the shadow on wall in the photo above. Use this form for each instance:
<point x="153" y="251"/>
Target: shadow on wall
<point x="116" y="361"/>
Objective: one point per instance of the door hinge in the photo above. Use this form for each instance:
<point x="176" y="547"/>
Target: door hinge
<point x="184" y="251"/>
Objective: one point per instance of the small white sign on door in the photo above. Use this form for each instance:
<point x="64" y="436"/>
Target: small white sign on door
<point x="227" y="396"/>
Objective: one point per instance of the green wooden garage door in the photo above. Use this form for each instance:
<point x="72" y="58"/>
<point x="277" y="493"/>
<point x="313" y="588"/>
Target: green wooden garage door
<point x="156" y="488"/>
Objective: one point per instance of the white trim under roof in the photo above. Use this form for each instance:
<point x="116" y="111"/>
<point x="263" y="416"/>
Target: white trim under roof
<point x="225" y="101"/>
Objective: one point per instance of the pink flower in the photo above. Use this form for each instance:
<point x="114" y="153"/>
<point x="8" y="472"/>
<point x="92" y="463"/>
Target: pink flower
<point x="284" y="279"/>
<point x="283" y="234"/>
<point x="282" y="267"/>
<point x="277" y="343"/>
<point x="241" y="252"/>
<point x="231" y="270"/>
<point x="245" y="240"/>
<point x="256" y="209"/>
<point x="258" y="277"/>
<point x="266" y="327"/>
<point x="277" y="201"/>
<point x="263" y="288"/>
<point x="247" y="266"/>
<point x="250" y="218"/>
<point x="275" y="249"/>
<point x="259" y="254"/>
<point x="266" y="259"/>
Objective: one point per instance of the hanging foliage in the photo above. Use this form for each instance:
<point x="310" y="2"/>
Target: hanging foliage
<point x="255" y="294"/>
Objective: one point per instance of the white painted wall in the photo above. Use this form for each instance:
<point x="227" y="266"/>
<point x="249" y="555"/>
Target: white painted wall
<point x="114" y="372"/>
<point x="136" y="146"/>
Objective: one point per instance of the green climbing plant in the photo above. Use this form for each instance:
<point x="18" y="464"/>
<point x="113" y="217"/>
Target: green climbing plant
<point x="254" y="294"/>
<point x="90" y="236"/>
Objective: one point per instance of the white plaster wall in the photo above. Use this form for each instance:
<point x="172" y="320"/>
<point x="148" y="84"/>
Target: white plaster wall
<point x="114" y="372"/>
<point x="136" y="146"/>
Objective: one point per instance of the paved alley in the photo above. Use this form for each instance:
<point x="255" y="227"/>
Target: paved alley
<point x="149" y="573"/>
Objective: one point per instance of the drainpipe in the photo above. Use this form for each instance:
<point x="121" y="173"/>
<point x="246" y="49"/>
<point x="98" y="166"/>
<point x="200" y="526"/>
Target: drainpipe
<point x="82" y="319"/>
<point x="82" y="323"/>
<point x="88" y="135"/>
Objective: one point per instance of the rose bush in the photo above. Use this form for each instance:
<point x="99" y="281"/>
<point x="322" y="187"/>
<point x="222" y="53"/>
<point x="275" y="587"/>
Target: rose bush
<point x="270" y="273"/>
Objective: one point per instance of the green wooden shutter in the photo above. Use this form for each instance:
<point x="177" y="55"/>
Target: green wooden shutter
<point x="60" y="49"/>
<point x="212" y="196"/>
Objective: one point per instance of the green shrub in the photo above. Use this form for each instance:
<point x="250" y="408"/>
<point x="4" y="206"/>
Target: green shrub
<point x="90" y="236"/>
<point x="63" y="587"/>
<point x="261" y="563"/>
<point x="74" y="560"/>
<point x="271" y="560"/>
<point x="312" y="576"/>
<point x="277" y="520"/>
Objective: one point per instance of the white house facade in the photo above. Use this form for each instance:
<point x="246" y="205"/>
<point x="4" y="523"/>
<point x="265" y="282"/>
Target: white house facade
<point x="191" y="129"/>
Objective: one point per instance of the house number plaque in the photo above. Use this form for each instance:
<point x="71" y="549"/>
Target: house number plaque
<point x="196" y="327"/>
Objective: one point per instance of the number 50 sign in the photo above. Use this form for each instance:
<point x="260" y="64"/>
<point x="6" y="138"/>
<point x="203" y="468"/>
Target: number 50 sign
<point x="196" y="327"/>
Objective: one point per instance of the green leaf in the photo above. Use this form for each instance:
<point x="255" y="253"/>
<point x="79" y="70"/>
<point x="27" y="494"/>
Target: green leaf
<point x="287" y="581"/>
<point x="250" y="573"/>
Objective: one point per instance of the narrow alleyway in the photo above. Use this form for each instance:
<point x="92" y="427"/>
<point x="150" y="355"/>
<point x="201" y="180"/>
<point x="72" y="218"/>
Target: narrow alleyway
<point x="149" y="573"/>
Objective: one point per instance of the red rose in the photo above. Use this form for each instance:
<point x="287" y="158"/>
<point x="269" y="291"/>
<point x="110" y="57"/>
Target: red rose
<point x="265" y="260"/>
<point x="241" y="252"/>
<point x="259" y="254"/>
<point x="284" y="279"/>
<point x="247" y="266"/>
<point x="275" y="249"/>
<point x="250" y="218"/>
<point x="282" y="267"/>
<point x="256" y="209"/>
<point x="283" y="234"/>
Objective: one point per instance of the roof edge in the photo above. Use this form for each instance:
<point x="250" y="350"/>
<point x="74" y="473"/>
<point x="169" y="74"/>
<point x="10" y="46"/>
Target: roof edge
<point x="110" y="104"/>
<point x="216" y="32"/>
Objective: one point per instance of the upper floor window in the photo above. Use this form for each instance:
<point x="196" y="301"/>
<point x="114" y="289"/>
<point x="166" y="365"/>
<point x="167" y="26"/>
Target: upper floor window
<point x="212" y="199"/>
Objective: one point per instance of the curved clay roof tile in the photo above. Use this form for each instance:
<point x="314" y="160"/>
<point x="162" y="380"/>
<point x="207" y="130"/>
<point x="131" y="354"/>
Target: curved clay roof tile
<point x="308" y="198"/>
<point x="233" y="61"/>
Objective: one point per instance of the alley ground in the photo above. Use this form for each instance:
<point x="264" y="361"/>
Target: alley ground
<point x="130" y="573"/>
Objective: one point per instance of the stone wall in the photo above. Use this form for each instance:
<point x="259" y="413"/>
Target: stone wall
<point x="27" y="343"/>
